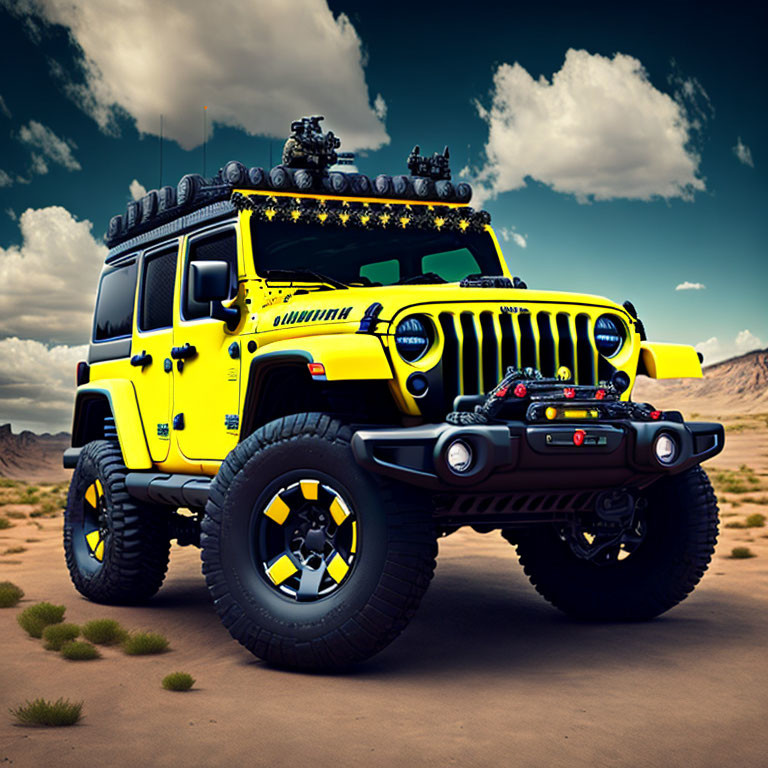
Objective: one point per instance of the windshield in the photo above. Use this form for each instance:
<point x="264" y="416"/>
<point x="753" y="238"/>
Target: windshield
<point x="372" y="256"/>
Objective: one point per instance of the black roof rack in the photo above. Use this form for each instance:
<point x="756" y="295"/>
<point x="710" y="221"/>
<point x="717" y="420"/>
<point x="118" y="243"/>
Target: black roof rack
<point x="308" y="156"/>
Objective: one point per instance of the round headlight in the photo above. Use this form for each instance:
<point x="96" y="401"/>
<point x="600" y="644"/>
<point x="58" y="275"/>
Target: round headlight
<point x="412" y="339"/>
<point x="665" y="448"/>
<point x="609" y="335"/>
<point x="459" y="456"/>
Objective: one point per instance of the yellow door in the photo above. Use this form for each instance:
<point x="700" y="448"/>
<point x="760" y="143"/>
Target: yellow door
<point x="206" y="365"/>
<point x="152" y="341"/>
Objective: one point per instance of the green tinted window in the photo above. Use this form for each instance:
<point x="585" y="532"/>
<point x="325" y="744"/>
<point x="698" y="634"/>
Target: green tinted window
<point x="384" y="272"/>
<point x="451" y="265"/>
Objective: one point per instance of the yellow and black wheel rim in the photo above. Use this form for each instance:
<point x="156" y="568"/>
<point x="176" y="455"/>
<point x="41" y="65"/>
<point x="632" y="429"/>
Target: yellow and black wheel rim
<point x="94" y="529"/>
<point x="306" y="540"/>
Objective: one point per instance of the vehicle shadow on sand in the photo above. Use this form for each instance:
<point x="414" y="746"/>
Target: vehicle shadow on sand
<point x="482" y="616"/>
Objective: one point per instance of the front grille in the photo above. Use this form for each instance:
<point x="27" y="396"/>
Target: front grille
<point x="480" y="346"/>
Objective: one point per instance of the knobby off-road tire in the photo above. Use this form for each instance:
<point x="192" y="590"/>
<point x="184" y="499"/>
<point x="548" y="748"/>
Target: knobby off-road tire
<point x="116" y="549"/>
<point x="386" y="566"/>
<point x="682" y="526"/>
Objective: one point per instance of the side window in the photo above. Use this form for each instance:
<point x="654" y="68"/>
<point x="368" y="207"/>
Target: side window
<point x="220" y="246"/>
<point x="158" y="281"/>
<point x="384" y="272"/>
<point x="113" y="318"/>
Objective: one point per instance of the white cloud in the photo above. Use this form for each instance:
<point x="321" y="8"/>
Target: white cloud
<point x="255" y="65"/>
<point x="599" y="130"/>
<point x="37" y="384"/>
<point x="137" y="190"/>
<point x="4" y="108"/>
<point x="11" y="214"/>
<point x="689" y="286"/>
<point x="744" y="153"/>
<point x="380" y="107"/>
<point x="48" y="283"/>
<point x="508" y="234"/>
<point x="714" y="350"/>
<point x="5" y="179"/>
<point x="49" y="146"/>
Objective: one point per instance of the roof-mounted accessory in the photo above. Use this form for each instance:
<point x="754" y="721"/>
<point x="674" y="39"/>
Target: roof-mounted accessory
<point x="308" y="156"/>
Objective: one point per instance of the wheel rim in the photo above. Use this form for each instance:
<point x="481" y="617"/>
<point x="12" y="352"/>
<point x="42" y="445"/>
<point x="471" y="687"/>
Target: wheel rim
<point x="306" y="540"/>
<point x="92" y="538"/>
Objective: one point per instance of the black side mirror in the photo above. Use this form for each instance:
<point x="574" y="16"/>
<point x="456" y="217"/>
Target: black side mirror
<point x="210" y="284"/>
<point x="210" y="280"/>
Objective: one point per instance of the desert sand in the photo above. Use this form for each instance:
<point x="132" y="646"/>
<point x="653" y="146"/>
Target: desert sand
<point x="486" y="674"/>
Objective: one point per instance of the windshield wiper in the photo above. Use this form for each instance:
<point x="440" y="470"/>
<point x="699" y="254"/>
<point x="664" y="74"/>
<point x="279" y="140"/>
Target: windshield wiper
<point x="303" y="274"/>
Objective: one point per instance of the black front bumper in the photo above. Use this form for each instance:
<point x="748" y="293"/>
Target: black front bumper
<point x="517" y="456"/>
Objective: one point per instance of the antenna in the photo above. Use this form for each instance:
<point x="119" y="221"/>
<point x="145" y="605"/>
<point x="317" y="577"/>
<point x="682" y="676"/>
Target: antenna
<point x="161" y="152"/>
<point x="205" y="109"/>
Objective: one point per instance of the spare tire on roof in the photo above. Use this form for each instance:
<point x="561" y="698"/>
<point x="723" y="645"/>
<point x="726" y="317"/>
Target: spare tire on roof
<point x="166" y="199"/>
<point x="115" y="227"/>
<point x="359" y="184"/>
<point x="402" y="186"/>
<point x="132" y="215"/>
<point x="188" y="189"/>
<point x="303" y="180"/>
<point x="382" y="185"/>
<point x="424" y="188"/>
<point x="258" y="178"/>
<point x="444" y="189"/>
<point x="235" y="173"/>
<point x="463" y="192"/>
<point x="338" y="183"/>
<point x="280" y="178"/>
<point x="148" y="206"/>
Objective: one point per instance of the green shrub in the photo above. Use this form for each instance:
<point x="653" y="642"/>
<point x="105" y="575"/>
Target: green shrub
<point x="736" y="524"/>
<point x="13" y="514"/>
<point x="178" y="681"/>
<point x="104" y="632"/>
<point x="5" y="523"/>
<point x="14" y="550"/>
<point x="57" y="635"/>
<point x="6" y="482"/>
<point x="10" y="594"/>
<point x="77" y="650"/>
<point x="141" y="643"/>
<point x="50" y="713"/>
<point x="36" y="618"/>
<point x="742" y="553"/>
<point x="755" y="520"/>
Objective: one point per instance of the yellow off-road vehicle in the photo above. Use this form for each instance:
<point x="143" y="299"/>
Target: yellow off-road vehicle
<point x="313" y="375"/>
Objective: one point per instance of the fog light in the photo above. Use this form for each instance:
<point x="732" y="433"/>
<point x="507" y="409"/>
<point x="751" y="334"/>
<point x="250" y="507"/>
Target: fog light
<point x="665" y="448"/>
<point x="459" y="456"/>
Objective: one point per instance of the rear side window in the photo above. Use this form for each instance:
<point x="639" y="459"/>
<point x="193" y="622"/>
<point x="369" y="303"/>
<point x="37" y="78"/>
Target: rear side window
<point x="220" y="246"/>
<point x="158" y="281"/>
<point x="114" y="306"/>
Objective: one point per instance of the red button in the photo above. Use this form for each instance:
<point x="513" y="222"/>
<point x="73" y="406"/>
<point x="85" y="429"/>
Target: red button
<point x="521" y="390"/>
<point x="655" y="415"/>
<point x="569" y="392"/>
<point x="503" y="391"/>
<point x="578" y="436"/>
<point x="600" y="394"/>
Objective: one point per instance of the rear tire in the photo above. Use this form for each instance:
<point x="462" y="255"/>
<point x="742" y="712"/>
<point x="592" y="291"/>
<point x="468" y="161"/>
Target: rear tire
<point x="302" y="466"/>
<point x="117" y="551"/>
<point x="681" y="532"/>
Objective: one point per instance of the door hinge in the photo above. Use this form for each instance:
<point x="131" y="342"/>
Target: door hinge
<point x="232" y="421"/>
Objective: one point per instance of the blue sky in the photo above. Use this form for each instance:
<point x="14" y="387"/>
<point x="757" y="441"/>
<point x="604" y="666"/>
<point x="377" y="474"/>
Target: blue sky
<point x="620" y="151"/>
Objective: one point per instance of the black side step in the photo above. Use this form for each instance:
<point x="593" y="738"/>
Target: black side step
<point x="172" y="490"/>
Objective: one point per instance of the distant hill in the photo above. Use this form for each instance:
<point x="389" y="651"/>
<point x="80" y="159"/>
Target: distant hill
<point x="737" y="385"/>
<point x="28" y="456"/>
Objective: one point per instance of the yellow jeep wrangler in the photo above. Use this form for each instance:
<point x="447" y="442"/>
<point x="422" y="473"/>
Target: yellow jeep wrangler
<point x="312" y="375"/>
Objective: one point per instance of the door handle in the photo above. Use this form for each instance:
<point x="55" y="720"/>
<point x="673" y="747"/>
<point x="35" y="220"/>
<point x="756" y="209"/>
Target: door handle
<point x="185" y="352"/>
<point x="141" y="359"/>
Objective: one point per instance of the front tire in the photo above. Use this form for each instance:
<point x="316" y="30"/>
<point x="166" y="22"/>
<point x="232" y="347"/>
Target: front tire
<point x="681" y="525"/>
<point x="311" y="563"/>
<point x="117" y="551"/>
